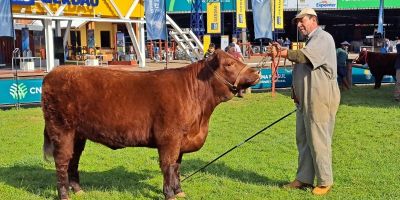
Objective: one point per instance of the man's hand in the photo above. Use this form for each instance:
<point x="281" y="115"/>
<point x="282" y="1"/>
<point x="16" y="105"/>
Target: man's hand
<point x="273" y="49"/>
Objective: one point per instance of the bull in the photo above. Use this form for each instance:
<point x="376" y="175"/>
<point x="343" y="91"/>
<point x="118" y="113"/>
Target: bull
<point x="166" y="109"/>
<point x="381" y="64"/>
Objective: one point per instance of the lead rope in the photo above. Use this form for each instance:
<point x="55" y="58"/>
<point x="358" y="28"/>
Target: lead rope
<point x="240" y="144"/>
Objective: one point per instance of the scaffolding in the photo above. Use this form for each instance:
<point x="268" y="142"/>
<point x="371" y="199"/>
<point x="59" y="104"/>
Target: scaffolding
<point x="196" y="18"/>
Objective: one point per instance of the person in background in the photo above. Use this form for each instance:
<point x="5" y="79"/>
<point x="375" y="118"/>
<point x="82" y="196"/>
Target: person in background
<point x="210" y="51"/>
<point x="287" y="43"/>
<point x="237" y="47"/>
<point x="317" y="97"/>
<point x="342" y="56"/>
<point x="397" y="67"/>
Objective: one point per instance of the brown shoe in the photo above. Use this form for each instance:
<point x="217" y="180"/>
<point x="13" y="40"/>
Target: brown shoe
<point x="321" y="190"/>
<point x="296" y="184"/>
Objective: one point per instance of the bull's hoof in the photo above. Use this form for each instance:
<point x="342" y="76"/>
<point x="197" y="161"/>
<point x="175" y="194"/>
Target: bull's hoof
<point x="79" y="193"/>
<point x="181" y="195"/>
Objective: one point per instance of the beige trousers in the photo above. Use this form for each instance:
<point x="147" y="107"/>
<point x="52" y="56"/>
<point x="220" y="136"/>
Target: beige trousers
<point x="314" y="141"/>
<point x="397" y="86"/>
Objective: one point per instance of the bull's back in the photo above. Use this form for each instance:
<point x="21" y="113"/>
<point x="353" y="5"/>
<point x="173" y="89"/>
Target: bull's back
<point x="381" y="63"/>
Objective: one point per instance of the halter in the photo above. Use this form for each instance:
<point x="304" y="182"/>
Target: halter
<point x="233" y="87"/>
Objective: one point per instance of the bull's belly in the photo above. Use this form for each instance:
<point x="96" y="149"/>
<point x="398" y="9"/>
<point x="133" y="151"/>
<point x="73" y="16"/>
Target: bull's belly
<point x="116" y="139"/>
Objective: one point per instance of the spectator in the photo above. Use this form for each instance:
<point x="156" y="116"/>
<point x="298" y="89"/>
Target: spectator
<point x="342" y="56"/>
<point x="397" y="67"/>
<point x="210" y="51"/>
<point x="287" y="43"/>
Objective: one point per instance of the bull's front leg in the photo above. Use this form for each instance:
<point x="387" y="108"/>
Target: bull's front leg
<point x="169" y="155"/>
<point x="178" y="190"/>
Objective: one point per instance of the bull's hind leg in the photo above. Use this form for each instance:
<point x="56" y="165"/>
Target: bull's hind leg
<point x="63" y="149"/>
<point x="73" y="174"/>
<point x="169" y="154"/>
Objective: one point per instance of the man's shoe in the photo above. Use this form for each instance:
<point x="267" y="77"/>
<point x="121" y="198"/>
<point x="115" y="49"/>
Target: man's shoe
<point x="296" y="184"/>
<point x="321" y="190"/>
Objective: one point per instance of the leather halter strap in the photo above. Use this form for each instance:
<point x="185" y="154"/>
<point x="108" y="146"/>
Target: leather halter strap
<point x="232" y="87"/>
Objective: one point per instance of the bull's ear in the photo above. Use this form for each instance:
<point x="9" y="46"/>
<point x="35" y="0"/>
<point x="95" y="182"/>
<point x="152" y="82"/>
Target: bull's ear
<point x="214" y="60"/>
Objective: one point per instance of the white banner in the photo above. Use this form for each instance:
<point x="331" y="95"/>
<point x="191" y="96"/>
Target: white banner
<point x="316" y="4"/>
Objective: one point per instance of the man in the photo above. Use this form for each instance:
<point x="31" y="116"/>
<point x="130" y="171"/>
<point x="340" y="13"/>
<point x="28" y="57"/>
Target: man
<point x="210" y="50"/>
<point x="237" y="48"/>
<point x="397" y="67"/>
<point x="317" y="97"/>
<point x="341" y="57"/>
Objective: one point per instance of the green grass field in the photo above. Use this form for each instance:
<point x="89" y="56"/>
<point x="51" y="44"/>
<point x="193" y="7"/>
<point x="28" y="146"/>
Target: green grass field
<point x="366" y="150"/>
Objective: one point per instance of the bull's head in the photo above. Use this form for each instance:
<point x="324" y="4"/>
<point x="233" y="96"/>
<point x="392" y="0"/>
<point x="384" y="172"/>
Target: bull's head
<point x="231" y="73"/>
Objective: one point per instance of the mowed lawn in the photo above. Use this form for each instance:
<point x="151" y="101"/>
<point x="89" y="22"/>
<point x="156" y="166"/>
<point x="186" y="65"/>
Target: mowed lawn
<point x="366" y="150"/>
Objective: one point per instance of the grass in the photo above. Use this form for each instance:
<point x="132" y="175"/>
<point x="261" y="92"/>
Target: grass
<point x="366" y="149"/>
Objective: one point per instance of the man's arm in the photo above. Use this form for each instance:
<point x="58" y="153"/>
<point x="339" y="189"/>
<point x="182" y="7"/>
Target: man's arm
<point x="293" y="55"/>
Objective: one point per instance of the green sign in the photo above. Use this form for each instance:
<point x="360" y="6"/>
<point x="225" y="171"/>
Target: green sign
<point x="22" y="91"/>
<point x="179" y="6"/>
<point x="345" y="4"/>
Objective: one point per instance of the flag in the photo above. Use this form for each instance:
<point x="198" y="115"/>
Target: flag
<point x="213" y="17"/>
<point x="278" y="16"/>
<point x="380" y="18"/>
<point x="155" y="19"/>
<point x="262" y="18"/>
<point x="6" y="20"/>
<point x="240" y="13"/>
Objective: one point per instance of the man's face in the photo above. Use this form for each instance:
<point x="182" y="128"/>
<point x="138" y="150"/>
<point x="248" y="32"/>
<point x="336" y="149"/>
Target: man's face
<point x="211" y="49"/>
<point x="306" y="25"/>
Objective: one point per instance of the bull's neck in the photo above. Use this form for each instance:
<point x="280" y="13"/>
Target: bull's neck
<point x="210" y="91"/>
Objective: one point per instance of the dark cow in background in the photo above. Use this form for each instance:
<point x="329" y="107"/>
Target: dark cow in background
<point x="166" y="109"/>
<point x="381" y="64"/>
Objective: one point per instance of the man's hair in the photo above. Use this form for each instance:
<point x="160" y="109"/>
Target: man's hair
<point x="212" y="45"/>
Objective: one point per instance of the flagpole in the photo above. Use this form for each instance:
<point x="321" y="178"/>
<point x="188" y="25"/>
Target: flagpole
<point x="166" y="36"/>
<point x="12" y="56"/>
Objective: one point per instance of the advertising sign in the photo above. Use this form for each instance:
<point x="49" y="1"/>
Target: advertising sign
<point x="214" y="17"/>
<point x="367" y="4"/>
<point x="206" y="43"/>
<point x="155" y="20"/>
<point x="22" y="91"/>
<point x="224" y="41"/>
<point x="262" y="18"/>
<point x="278" y="14"/>
<point x="90" y="38"/>
<point x="316" y="4"/>
<point x="25" y="39"/>
<point x="6" y="20"/>
<point x="88" y="8"/>
<point x="284" y="78"/>
<point x="120" y="43"/>
<point x="241" y="13"/>
<point x="179" y="6"/>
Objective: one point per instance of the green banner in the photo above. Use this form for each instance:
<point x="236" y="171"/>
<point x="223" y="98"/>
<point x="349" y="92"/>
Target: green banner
<point x="177" y="6"/>
<point x="21" y="91"/>
<point x="346" y="4"/>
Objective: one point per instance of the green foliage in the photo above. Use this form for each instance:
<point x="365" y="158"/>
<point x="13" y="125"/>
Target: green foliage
<point x="366" y="149"/>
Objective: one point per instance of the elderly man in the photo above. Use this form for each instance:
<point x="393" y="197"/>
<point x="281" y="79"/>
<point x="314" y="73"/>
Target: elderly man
<point x="317" y="97"/>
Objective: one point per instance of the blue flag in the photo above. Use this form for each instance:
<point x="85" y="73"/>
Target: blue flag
<point x="6" y="20"/>
<point x="155" y="19"/>
<point x="262" y="18"/>
<point x="380" y="18"/>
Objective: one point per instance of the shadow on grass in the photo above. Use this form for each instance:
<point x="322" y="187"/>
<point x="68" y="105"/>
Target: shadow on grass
<point x="42" y="182"/>
<point x="222" y="170"/>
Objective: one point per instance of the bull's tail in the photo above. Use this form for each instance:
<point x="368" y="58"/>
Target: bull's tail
<point x="48" y="147"/>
